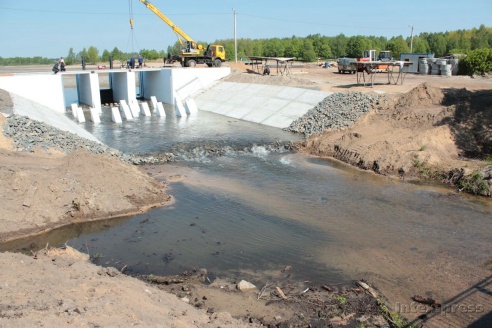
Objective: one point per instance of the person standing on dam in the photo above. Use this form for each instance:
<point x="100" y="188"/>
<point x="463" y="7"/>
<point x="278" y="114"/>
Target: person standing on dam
<point x="140" y="61"/>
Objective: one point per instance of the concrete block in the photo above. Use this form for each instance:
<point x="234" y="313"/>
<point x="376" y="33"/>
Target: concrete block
<point x="115" y="115"/>
<point x="179" y="108"/>
<point x="95" y="115"/>
<point x="191" y="106"/>
<point x="144" y="109"/>
<point x="134" y="108"/>
<point x="153" y="103"/>
<point x="160" y="110"/>
<point x="125" y="111"/>
<point x="80" y="115"/>
<point x="74" y="109"/>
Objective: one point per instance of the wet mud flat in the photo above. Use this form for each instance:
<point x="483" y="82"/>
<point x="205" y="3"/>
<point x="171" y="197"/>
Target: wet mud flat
<point x="283" y="302"/>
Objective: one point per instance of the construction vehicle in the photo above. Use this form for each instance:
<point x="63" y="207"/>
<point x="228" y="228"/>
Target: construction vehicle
<point x="345" y="65"/>
<point x="384" y="55"/>
<point x="370" y="56"/>
<point x="191" y="53"/>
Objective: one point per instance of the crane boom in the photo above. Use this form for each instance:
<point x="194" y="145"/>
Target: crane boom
<point x="191" y="44"/>
<point x="192" y="53"/>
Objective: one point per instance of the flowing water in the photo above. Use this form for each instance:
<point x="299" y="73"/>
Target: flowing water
<point x="257" y="209"/>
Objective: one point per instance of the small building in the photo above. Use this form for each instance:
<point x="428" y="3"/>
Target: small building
<point x="414" y="58"/>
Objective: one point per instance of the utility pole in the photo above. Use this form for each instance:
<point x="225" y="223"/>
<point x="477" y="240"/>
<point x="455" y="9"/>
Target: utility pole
<point x="235" y="39"/>
<point x="411" y="40"/>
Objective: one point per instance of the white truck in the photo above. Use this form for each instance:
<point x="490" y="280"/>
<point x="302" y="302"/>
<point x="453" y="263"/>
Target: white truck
<point x="345" y="65"/>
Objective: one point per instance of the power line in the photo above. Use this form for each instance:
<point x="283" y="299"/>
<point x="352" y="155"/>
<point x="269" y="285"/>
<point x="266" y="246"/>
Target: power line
<point x="324" y="24"/>
<point x="203" y="14"/>
<point x="101" y="13"/>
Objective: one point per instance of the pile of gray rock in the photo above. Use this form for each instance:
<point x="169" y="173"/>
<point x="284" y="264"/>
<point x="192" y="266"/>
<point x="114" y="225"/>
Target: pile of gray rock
<point x="28" y="135"/>
<point x="337" y="111"/>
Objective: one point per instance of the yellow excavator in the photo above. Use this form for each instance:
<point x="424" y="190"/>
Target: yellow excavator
<point x="191" y="53"/>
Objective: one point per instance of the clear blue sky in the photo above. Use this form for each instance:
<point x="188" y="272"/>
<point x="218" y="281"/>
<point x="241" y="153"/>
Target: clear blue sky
<point x="49" y="28"/>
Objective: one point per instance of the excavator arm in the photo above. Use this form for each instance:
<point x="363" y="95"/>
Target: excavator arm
<point x="191" y="45"/>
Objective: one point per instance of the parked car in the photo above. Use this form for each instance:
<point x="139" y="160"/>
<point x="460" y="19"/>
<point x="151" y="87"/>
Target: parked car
<point x="345" y="65"/>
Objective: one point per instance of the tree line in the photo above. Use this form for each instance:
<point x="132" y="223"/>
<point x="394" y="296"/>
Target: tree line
<point x="308" y="49"/>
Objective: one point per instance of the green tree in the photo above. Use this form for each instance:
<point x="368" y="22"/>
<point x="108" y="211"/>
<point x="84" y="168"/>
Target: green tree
<point x="149" y="54"/>
<point x="175" y="49"/>
<point x="420" y="45"/>
<point x="293" y="47"/>
<point x="476" y="61"/>
<point x="105" y="56"/>
<point x="397" y="46"/>
<point x="338" y="46"/>
<point x="82" y="54"/>
<point x="258" y="48"/>
<point x="308" y="53"/>
<point x="117" y="54"/>
<point x="356" y="45"/>
<point x="320" y="45"/>
<point x="274" y="48"/>
<point x="92" y="55"/>
<point x="229" y="50"/>
<point x="71" y="57"/>
<point x="437" y="44"/>
<point x="481" y="38"/>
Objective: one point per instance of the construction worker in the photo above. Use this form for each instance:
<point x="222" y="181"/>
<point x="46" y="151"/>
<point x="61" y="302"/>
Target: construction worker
<point x="140" y="61"/>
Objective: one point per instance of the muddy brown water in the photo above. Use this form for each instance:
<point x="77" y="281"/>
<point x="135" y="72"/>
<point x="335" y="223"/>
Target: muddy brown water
<point x="256" y="209"/>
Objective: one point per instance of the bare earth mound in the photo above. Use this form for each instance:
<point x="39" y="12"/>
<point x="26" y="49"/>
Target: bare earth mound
<point x="61" y="288"/>
<point x="43" y="191"/>
<point x="420" y="133"/>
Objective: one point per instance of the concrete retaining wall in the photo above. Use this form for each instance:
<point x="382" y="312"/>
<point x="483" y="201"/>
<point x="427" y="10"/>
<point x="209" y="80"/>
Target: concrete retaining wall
<point x="271" y="105"/>
<point x="44" y="89"/>
<point x="41" y="113"/>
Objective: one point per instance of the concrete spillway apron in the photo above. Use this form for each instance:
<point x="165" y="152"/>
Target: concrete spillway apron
<point x="270" y="105"/>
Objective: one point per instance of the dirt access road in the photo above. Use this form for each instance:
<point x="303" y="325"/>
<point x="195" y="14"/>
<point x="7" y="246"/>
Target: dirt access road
<point x="61" y="288"/>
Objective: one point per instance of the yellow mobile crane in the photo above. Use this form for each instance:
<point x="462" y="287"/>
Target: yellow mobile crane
<point x="191" y="52"/>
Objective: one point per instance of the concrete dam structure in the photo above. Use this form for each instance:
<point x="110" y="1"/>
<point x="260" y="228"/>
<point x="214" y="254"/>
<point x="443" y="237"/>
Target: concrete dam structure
<point x="187" y="89"/>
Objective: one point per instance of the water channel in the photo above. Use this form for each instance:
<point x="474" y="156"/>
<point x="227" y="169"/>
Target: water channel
<point x="258" y="208"/>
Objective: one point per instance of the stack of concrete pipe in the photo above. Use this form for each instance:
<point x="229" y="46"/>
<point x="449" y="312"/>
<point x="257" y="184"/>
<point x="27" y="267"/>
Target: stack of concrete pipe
<point x="438" y="66"/>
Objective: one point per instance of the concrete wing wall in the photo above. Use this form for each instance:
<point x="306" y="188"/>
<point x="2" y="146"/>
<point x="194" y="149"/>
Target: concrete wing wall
<point x="188" y="82"/>
<point x="185" y="81"/>
<point x="46" y="90"/>
<point x="265" y="104"/>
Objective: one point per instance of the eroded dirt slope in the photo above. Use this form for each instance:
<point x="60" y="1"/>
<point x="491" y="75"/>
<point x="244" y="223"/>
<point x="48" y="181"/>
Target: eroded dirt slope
<point x="422" y="130"/>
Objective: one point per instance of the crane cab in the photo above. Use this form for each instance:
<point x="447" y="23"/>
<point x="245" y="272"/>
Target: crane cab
<point x="385" y="55"/>
<point x="216" y="50"/>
